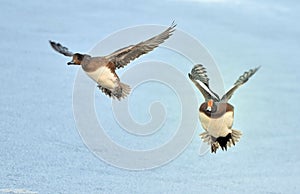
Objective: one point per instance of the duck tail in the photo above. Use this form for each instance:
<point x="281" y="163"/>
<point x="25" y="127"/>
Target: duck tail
<point x="235" y="137"/>
<point x="221" y="142"/>
<point x="228" y="141"/>
<point x="125" y="90"/>
<point x="206" y="138"/>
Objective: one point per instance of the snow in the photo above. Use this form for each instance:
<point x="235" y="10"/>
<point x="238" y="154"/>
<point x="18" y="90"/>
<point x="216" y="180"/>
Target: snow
<point x="41" y="150"/>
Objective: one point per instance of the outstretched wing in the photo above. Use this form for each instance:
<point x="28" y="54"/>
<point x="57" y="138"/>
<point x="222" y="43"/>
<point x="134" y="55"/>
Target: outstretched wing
<point x="123" y="56"/>
<point x="60" y="48"/>
<point x="242" y="79"/>
<point x="199" y="73"/>
<point x="199" y="77"/>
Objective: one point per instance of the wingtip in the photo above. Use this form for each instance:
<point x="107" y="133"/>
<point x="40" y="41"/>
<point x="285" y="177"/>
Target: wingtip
<point x="200" y="67"/>
<point x="52" y="43"/>
<point x="171" y="29"/>
<point x="60" y="48"/>
<point x="257" y="68"/>
<point x="173" y="24"/>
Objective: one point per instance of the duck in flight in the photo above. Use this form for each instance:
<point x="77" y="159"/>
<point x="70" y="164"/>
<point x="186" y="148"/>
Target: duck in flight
<point x="102" y="69"/>
<point x="216" y="114"/>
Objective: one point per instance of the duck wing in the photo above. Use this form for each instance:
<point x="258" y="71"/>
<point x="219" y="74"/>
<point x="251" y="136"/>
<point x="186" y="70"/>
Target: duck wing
<point x="242" y="79"/>
<point x="199" y="77"/>
<point x="60" y="48"/>
<point x="123" y="56"/>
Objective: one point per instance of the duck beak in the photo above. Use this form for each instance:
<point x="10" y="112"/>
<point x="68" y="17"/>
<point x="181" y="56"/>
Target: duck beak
<point x="209" y="105"/>
<point x="71" y="63"/>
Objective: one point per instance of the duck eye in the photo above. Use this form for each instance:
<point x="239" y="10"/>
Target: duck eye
<point x="80" y="57"/>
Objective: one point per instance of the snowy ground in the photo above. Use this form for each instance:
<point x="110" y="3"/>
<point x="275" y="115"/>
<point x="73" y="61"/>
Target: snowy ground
<point x="41" y="150"/>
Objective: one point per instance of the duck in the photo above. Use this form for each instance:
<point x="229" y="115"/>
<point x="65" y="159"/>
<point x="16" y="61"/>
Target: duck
<point x="102" y="69"/>
<point x="216" y="114"/>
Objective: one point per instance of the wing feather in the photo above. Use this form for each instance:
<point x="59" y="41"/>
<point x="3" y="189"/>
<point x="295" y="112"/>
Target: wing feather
<point x="242" y="79"/>
<point x="199" y="73"/>
<point x="123" y="56"/>
<point x="60" y="48"/>
<point x="199" y="77"/>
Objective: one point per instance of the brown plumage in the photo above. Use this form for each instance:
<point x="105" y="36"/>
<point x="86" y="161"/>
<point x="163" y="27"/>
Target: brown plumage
<point x="102" y="69"/>
<point x="216" y="115"/>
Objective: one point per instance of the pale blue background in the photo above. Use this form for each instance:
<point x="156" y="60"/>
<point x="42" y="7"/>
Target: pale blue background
<point x="41" y="150"/>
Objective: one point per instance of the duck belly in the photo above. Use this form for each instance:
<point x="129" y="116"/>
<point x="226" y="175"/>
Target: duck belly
<point x="217" y="127"/>
<point x="104" y="77"/>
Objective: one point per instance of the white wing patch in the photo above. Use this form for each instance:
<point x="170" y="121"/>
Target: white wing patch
<point x="207" y="89"/>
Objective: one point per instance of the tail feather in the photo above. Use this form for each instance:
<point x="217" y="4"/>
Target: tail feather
<point x="206" y="137"/>
<point x="230" y="140"/>
<point x="236" y="135"/>
<point x="125" y="90"/>
<point x="119" y="92"/>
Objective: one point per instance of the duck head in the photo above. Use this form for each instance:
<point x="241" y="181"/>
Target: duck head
<point x="78" y="58"/>
<point x="211" y="106"/>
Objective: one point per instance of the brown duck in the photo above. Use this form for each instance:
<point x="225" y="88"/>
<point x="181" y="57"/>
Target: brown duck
<point x="216" y="115"/>
<point x="102" y="69"/>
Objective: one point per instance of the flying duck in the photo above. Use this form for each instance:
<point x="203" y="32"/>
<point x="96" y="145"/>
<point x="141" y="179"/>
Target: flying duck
<point x="216" y="114"/>
<point x="102" y="69"/>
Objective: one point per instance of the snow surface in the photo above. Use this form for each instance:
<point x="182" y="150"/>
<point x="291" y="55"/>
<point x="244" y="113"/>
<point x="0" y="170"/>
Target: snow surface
<point x="41" y="150"/>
